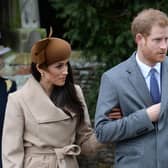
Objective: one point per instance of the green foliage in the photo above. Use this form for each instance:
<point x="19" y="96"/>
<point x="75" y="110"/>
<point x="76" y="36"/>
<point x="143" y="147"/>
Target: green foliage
<point x="98" y="28"/>
<point x="101" y="29"/>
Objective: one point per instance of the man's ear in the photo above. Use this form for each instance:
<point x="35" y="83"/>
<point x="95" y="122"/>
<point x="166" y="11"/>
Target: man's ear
<point x="138" y="38"/>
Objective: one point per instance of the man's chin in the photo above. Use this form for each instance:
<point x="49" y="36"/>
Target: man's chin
<point x="161" y="58"/>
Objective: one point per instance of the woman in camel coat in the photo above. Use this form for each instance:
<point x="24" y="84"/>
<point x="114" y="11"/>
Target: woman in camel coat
<point x="47" y="123"/>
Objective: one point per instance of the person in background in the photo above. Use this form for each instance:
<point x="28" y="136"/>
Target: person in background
<point x="139" y="86"/>
<point x="47" y="122"/>
<point x="6" y="86"/>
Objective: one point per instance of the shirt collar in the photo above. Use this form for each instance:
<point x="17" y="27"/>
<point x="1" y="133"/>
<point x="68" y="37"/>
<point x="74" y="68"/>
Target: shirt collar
<point x="145" y="68"/>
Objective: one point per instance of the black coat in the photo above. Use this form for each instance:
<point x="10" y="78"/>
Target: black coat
<point x="6" y="86"/>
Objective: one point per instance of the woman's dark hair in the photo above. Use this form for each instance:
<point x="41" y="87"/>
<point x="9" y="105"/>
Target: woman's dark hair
<point x="64" y="97"/>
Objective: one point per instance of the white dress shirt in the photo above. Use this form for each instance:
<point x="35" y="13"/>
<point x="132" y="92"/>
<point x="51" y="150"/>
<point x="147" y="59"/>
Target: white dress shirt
<point x="145" y="69"/>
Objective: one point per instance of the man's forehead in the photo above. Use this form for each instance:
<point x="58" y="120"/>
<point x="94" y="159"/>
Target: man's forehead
<point x="158" y="31"/>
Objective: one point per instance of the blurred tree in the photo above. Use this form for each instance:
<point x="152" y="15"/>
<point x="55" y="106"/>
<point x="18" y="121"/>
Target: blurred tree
<point x="101" y="29"/>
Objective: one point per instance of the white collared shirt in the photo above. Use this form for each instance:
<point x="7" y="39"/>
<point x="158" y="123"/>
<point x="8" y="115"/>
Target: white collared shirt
<point x="145" y="69"/>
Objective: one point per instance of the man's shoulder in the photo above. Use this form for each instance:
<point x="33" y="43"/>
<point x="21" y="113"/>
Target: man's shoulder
<point x="166" y="60"/>
<point x="7" y="79"/>
<point x="10" y="84"/>
<point x="2" y="79"/>
<point x="119" y="68"/>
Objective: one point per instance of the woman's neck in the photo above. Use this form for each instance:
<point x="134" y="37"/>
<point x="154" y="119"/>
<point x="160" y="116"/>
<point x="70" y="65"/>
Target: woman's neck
<point x="47" y="87"/>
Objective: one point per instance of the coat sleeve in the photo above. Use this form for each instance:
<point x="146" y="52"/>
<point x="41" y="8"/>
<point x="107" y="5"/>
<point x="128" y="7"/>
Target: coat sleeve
<point x="107" y="131"/>
<point x="86" y="137"/>
<point x="12" y="140"/>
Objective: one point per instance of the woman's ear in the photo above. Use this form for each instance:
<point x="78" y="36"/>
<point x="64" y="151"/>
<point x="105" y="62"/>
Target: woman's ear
<point x="40" y="70"/>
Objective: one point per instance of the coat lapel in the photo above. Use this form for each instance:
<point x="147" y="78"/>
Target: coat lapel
<point x="137" y="80"/>
<point x="40" y="105"/>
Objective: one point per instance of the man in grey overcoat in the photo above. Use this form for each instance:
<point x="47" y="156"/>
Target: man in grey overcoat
<point x="141" y="135"/>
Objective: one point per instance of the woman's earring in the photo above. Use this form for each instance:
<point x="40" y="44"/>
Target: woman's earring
<point x="42" y="74"/>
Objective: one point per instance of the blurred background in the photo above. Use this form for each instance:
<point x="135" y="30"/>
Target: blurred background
<point x="99" y="32"/>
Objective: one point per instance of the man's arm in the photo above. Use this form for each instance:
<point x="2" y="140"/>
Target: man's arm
<point x="136" y="124"/>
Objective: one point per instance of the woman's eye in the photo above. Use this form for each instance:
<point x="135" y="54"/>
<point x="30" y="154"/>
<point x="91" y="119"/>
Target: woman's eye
<point x="59" y="66"/>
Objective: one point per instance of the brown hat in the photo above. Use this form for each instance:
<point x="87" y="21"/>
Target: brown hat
<point x="50" y="50"/>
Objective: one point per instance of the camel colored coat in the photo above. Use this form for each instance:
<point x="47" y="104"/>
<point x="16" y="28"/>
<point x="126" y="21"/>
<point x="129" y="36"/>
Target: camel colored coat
<point x="37" y="134"/>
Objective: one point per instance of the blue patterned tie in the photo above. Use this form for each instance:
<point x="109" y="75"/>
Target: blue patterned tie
<point x="154" y="88"/>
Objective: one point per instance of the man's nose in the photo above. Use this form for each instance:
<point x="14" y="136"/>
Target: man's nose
<point x="164" y="44"/>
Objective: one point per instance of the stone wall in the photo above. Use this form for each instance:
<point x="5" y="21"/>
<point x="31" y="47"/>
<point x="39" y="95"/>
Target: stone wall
<point x="84" y="73"/>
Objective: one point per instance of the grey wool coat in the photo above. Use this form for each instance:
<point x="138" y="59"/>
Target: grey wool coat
<point x="37" y="134"/>
<point x="139" y="143"/>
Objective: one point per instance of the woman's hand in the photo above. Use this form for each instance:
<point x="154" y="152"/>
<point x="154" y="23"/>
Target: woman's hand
<point x="115" y="114"/>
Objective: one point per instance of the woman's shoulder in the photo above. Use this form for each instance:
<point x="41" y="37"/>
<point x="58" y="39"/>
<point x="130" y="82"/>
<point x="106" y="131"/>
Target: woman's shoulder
<point x="79" y="92"/>
<point x="78" y="88"/>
